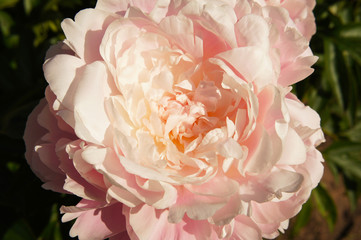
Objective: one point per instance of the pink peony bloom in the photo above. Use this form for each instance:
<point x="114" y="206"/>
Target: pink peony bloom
<point x="174" y="120"/>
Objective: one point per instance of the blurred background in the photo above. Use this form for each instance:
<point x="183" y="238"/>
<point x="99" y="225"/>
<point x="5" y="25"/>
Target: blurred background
<point x="29" y="27"/>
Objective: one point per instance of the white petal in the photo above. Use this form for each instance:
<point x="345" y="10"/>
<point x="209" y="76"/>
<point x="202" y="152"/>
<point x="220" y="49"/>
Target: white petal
<point x="91" y="120"/>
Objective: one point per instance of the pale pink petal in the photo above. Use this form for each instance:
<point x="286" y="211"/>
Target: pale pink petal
<point x="301" y="12"/>
<point x="98" y="223"/>
<point x="45" y="169"/>
<point x="313" y="166"/>
<point x="61" y="73"/>
<point x="142" y="217"/>
<point x="293" y="149"/>
<point x="252" y="63"/>
<point x="272" y="185"/>
<point x="264" y="151"/>
<point x="74" y="182"/>
<point x="113" y="6"/>
<point x="304" y="115"/>
<point x="120" y="7"/>
<point x="245" y="229"/>
<point x="59" y="48"/>
<point x="297" y="71"/>
<point x="197" y="207"/>
<point x="118" y="176"/>
<point x="252" y="30"/>
<point x="232" y="209"/>
<point x="181" y="29"/>
<point x="214" y="15"/>
<point x="86" y="32"/>
<point x="91" y="121"/>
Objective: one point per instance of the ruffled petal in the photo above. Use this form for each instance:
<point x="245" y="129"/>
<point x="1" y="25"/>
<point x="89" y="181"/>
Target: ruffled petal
<point x="95" y="222"/>
<point x="142" y="217"/>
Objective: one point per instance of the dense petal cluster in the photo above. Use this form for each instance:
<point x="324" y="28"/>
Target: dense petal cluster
<point x="174" y="119"/>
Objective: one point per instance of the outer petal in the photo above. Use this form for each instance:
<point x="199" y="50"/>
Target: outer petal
<point x="46" y="169"/>
<point x="301" y="12"/>
<point x="215" y="15"/>
<point x="84" y="34"/>
<point x="263" y="188"/>
<point x="61" y="73"/>
<point x="197" y="207"/>
<point x="95" y="222"/>
<point x="181" y="30"/>
<point x="265" y="149"/>
<point x="91" y="121"/>
<point x="147" y="223"/>
<point x="161" y="196"/>
<point x="245" y="229"/>
<point x="115" y="6"/>
<point x="252" y="63"/>
<point x="252" y="30"/>
<point x="70" y="154"/>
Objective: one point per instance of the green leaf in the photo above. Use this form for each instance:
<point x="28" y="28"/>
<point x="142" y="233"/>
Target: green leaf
<point x="348" y="38"/>
<point x="13" y="166"/>
<point x="325" y="205"/>
<point x="347" y="156"/>
<point x="331" y="72"/>
<point x="19" y="231"/>
<point x="351" y="190"/>
<point x="342" y="147"/>
<point x="354" y="133"/>
<point x="5" y="23"/>
<point x="349" y="165"/>
<point x="303" y="217"/>
<point x="350" y="31"/>
<point x="52" y="230"/>
<point x="352" y="94"/>
<point x="7" y="3"/>
<point x="29" y="5"/>
<point x="42" y="30"/>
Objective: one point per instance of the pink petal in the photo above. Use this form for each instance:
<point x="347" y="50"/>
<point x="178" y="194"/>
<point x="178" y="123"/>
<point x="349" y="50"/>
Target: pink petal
<point x="85" y="33"/>
<point x="91" y="121"/>
<point x="61" y="72"/>
<point x="95" y="223"/>
<point x="293" y="149"/>
<point x="45" y="166"/>
<point x="196" y="207"/>
<point x="115" y="6"/>
<point x="264" y="151"/>
<point x="75" y="183"/>
<point x="245" y="229"/>
<point x="147" y="223"/>
<point x="252" y="63"/>
<point x="181" y="30"/>
<point x="252" y="30"/>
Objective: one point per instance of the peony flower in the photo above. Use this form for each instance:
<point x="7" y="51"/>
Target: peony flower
<point x="174" y="120"/>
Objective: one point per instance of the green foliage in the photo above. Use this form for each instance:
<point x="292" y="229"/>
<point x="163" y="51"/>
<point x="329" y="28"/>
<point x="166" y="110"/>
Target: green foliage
<point x="52" y="230"/>
<point x="302" y="218"/>
<point x="20" y="230"/>
<point x="325" y="205"/>
<point x="7" y="3"/>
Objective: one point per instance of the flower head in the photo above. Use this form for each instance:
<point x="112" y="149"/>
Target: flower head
<point x="174" y="120"/>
